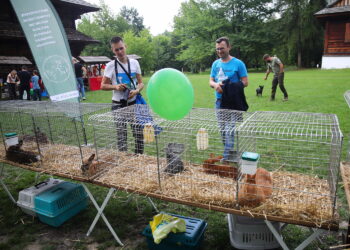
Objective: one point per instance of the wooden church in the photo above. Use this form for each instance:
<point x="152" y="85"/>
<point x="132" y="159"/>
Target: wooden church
<point x="14" y="43"/>
<point x="336" y="21"/>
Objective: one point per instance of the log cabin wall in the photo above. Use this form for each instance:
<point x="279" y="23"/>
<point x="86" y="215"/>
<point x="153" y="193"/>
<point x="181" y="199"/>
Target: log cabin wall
<point x="342" y="3"/>
<point x="337" y="37"/>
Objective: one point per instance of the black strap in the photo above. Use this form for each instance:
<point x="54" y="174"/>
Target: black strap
<point x="127" y="73"/>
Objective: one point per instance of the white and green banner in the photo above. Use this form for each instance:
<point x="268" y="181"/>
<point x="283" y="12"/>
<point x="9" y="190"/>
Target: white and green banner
<point x="49" y="45"/>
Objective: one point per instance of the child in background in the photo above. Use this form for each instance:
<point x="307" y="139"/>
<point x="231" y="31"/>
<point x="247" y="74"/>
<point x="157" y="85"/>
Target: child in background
<point x="36" y="86"/>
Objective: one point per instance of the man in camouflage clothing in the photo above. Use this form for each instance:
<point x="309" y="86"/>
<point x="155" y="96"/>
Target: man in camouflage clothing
<point x="275" y="65"/>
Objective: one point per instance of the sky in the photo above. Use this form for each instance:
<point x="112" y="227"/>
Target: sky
<point x="157" y="14"/>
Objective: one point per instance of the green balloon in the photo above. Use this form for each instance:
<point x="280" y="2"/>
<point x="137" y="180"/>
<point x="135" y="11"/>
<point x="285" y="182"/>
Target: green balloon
<point x="170" y="94"/>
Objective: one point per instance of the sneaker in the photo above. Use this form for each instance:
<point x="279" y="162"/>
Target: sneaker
<point x="84" y="98"/>
<point x="285" y="99"/>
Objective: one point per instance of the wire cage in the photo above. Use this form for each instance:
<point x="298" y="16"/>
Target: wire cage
<point x="56" y="132"/>
<point x="180" y="159"/>
<point x="301" y="151"/>
<point x="197" y="159"/>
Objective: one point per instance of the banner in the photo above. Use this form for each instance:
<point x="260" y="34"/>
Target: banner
<point x="49" y="45"/>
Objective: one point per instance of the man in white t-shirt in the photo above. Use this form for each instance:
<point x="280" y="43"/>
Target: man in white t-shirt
<point x="123" y="76"/>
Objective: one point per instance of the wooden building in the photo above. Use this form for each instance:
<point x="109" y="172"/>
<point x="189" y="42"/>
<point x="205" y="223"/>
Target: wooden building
<point x="14" y="43"/>
<point x="336" y="21"/>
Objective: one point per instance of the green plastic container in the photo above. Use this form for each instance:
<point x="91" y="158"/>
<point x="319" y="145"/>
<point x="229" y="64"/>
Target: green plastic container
<point x="58" y="204"/>
<point x="249" y="163"/>
<point x="250" y="156"/>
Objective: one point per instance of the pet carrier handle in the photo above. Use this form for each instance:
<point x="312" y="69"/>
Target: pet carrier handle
<point x="41" y="184"/>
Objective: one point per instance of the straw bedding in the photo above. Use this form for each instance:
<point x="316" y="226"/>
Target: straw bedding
<point x="140" y="173"/>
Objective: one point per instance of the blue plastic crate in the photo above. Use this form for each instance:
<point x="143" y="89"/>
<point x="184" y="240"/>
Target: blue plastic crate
<point x="191" y="239"/>
<point x="60" y="203"/>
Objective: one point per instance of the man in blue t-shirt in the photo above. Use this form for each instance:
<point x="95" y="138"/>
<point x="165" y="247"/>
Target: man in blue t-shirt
<point x="228" y="74"/>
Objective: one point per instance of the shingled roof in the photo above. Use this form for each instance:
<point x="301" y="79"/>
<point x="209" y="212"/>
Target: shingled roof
<point x="331" y="10"/>
<point x="334" y="10"/>
<point x="94" y="59"/>
<point x="12" y="30"/>
<point x="14" y="60"/>
<point x="80" y="3"/>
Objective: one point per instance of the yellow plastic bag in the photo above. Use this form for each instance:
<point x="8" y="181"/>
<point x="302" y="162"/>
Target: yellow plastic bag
<point x="163" y="224"/>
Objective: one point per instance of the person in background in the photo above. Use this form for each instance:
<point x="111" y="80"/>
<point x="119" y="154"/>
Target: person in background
<point x="36" y="86"/>
<point x="95" y="71"/>
<point x="12" y="81"/>
<point x="228" y="77"/>
<point x="103" y="67"/>
<point x="24" y="85"/>
<point x="80" y="70"/>
<point x="123" y="77"/>
<point x="275" y="65"/>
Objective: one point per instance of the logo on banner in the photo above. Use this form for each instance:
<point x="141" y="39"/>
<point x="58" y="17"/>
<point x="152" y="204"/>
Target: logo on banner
<point x="56" y="68"/>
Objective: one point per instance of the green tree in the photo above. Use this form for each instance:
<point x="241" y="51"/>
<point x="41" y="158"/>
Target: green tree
<point x="131" y="15"/>
<point x="196" y="27"/>
<point x="201" y="22"/>
<point x="102" y="26"/>
<point x="300" y="32"/>
<point x="143" y="46"/>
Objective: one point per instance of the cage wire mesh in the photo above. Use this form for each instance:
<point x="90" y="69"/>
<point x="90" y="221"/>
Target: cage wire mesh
<point x="195" y="158"/>
<point x="302" y="151"/>
<point x="347" y="99"/>
<point x="174" y="152"/>
<point x="56" y="131"/>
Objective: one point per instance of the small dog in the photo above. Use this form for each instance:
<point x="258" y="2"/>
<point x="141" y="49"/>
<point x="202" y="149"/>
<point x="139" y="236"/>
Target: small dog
<point x="259" y="90"/>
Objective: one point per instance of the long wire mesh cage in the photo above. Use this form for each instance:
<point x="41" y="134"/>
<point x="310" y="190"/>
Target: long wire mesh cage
<point x="193" y="159"/>
<point x="199" y="159"/>
<point x="51" y="136"/>
<point x="298" y="167"/>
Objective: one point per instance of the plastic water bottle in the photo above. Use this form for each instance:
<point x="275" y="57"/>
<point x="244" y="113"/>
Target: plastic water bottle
<point x="221" y="75"/>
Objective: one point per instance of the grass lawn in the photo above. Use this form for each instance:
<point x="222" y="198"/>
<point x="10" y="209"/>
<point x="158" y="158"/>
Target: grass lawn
<point x="319" y="91"/>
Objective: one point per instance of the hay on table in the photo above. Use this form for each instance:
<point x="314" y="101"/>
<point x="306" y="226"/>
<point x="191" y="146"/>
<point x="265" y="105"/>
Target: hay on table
<point x="140" y="174"/>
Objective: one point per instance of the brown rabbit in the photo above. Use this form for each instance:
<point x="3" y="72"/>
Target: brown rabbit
<point x="40" y="136"/>
<point x="89" y="166"/>
<point x="211" y="167"/>
<point x="255" y="189"/>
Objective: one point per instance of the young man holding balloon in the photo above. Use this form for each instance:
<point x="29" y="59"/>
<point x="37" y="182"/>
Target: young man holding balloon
<point x="123" y="77"/>
<point x="228" y="77"/>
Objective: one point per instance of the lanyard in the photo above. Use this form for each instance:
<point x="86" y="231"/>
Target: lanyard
<point x="116" y="62"/>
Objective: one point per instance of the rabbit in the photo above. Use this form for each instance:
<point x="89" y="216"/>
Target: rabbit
<point x="259" y="90"/>
<point x="40" y="136"/>
<point x="255" y="189"/>
<point x="16" y="154"/>
<point x="222" y="170"/>
<point x="90" y="166"/>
